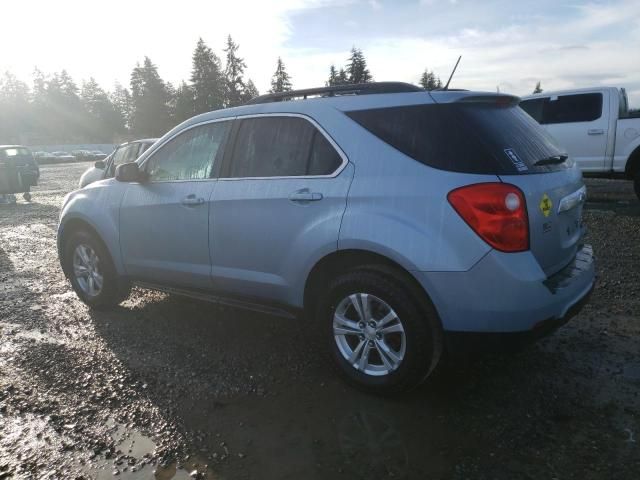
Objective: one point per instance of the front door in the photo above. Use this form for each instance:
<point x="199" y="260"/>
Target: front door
<point x="164" y="234"/>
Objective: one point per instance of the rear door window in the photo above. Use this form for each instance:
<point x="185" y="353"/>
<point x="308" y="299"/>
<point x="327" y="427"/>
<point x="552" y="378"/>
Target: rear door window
<point x="584" y="107"/>
<point x="484" y="138"/>
<point x="274" y="146"/>
<point x="573" y="108"/>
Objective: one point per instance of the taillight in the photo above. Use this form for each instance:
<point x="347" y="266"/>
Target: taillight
<point x="497" y="212"/>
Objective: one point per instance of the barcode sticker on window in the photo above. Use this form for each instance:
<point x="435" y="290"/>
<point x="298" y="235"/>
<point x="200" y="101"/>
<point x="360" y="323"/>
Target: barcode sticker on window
<point x="519" y="164"/>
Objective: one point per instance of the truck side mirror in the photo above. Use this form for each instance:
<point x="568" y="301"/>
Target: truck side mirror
<point x="99" y="164"/>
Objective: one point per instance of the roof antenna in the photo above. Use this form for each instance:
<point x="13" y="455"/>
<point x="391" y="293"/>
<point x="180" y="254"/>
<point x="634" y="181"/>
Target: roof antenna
<point x="446" y="87"/>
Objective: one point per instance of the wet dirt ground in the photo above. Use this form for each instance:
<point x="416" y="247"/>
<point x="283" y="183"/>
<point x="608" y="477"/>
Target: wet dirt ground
<point x="166" y="387"/>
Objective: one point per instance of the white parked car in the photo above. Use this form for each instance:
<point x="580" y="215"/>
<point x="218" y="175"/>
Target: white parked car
<point x="124" y="153"/>
<point x="595" y="126"/>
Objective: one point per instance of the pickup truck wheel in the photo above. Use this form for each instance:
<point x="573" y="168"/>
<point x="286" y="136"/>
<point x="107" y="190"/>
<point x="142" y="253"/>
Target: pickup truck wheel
<point x="380" y="339"/>
<point x="91" y="272"/>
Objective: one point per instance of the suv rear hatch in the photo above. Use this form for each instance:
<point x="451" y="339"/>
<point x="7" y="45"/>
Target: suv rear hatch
<point x="490" y="134"/>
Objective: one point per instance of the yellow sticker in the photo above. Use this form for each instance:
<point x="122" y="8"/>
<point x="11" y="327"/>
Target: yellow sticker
<point x="546" y="205"/>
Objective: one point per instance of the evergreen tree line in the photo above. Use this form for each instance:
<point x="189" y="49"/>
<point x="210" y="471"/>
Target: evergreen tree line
<point x="56" y="110"/>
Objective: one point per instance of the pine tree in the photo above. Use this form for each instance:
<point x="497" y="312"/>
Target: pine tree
<point x="538" y="88"/>
<point x="122" y="103"/>
<point x="250" y="91"/>
<point x="342" y="77"/>
<point x="357" y="71"/>
<point x="150" y="115"/>
<point x="429" y="80"/>
<point x="103" y="119"/>
<point x="207" y="80"/>
<point x="333" y="77"/>
<point x="184" y="103"/>
<point x="234" y="70"/>
<point x="14" y="109"/>
<point x="336" y="77"/>
<point x="281" y="81"/>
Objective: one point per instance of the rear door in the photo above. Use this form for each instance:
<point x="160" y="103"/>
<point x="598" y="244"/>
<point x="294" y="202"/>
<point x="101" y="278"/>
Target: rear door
<point x="164" y="222"/>
<point x="277" y="206"/>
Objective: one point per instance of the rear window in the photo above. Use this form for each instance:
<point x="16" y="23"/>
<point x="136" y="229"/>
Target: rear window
<point x="15" y="152"/>
<point x="470" y="138"/>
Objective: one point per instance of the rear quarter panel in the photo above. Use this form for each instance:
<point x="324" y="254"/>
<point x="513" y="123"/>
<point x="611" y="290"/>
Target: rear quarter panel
<point x="398" y="207"/>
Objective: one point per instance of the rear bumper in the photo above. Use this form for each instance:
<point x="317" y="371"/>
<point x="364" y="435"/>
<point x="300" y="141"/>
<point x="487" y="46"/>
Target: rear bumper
<point x="494" y="342"/>
<point x="509" y="294"/>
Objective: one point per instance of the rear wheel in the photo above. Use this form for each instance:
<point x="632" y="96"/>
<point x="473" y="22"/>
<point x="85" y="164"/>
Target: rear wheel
<point x="91" y="271"/>
<point x="380" y="337"/>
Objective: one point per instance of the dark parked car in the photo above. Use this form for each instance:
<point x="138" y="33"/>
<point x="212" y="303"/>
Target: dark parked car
<point x="18" y="170"/>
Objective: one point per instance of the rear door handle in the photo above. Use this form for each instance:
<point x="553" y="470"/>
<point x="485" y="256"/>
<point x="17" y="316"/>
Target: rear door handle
<point x="192" y="200"/>
<point x="595" y="131"/>
<point x="305" y="195"/>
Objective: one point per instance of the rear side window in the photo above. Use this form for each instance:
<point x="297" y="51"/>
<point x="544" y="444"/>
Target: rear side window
<point x="584" y="107"/>
<point x="573" y="108"/>
<point x="274" y="146"/>
<point x="470" y="138"/>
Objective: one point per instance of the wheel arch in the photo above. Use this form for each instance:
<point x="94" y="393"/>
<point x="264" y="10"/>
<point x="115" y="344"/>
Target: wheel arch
<point x="72" y="226"/>
<point x="633" y="163"/>
<point x="345" y="260"/>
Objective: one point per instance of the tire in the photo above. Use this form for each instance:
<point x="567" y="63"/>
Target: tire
<point x="26" y="196"/>
<point x="636" y="182"/>
<point x="112" y="290"/>
<point x="416" y="342"/>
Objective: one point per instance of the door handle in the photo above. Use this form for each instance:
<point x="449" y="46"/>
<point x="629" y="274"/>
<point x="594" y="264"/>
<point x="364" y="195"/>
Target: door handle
<point x="305" y="195"/>
<point x="192" y="200"/>
<point x="595" y="131"/>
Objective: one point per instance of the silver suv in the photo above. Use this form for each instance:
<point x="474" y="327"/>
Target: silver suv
<point x="405" y="222"/>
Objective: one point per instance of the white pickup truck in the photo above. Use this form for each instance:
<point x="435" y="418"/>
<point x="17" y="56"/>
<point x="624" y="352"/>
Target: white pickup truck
<point x="596" y="128"/>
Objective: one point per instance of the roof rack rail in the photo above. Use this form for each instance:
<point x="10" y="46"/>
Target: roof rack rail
<point x="338" y="90"/>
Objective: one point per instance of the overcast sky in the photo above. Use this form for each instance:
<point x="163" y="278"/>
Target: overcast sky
<point x="505" y="44"/>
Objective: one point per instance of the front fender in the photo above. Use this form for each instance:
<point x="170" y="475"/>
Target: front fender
<point x="98" y="207"/>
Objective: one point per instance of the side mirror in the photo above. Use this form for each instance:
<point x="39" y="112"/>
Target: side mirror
<point x="100" y="164"/>
<point x="129" y="172"/>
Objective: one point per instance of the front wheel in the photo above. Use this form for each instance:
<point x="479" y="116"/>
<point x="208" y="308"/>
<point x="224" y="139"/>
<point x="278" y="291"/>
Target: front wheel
<point x="381" y="338"/>
<point x="92" y="273"/>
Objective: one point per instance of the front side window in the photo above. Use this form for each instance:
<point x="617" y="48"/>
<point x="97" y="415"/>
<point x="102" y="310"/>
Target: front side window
<point x="275" y="146"/>
<point x="190" y="155"/>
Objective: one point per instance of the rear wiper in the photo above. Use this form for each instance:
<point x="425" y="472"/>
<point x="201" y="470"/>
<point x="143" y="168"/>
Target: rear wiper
<point x="552" y="160"/>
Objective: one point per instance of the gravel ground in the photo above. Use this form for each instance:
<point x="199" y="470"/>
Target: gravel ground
<point x="177" y="388"/>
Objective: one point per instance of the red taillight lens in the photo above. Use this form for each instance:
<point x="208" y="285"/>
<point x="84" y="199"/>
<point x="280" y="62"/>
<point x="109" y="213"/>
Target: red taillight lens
<point x="497" y="212"/>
